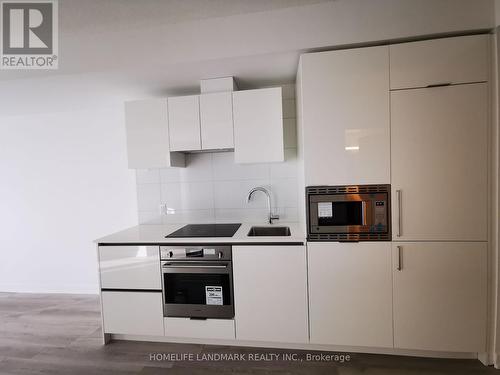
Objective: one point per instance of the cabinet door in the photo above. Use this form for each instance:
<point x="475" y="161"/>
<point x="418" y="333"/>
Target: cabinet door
<point x="439" y="150"/>
<point x="270" y="293"/>
<point x="216" y="112"/>
<point x="133" y="313"/>
<point x="258" y="126"/>
<point x="350" y="294"/>
<point x="461" y="59"/>
<point x="440" y="296"/>
<point x="344" y="116"/>
<point x="184" y="123"/>
<point x="130" y="267"/>
<point x="147" y="135"/>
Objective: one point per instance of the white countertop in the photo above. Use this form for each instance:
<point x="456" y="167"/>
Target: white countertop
<point x="155" y="234"/>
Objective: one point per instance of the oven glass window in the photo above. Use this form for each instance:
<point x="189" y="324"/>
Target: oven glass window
<point x="191" y="288"/>
<point x="340" y="213"/>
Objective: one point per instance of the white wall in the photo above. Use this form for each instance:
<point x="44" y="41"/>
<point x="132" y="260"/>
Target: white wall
<point x="64" y="183"/>
<point x="214" y="189"/>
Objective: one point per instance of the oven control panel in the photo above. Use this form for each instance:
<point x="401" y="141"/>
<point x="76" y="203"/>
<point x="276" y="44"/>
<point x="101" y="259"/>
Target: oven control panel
<point x="204" y="252"/>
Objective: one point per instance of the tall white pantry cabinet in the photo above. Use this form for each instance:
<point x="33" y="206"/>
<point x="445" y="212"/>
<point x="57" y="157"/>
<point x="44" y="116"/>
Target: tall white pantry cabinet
<point x="439" y="177"/>
<point x="414" y="115"/>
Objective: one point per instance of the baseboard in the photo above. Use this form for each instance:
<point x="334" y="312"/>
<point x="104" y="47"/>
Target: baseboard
<point x="305" y="346"/>
<point x="47" y="288"/>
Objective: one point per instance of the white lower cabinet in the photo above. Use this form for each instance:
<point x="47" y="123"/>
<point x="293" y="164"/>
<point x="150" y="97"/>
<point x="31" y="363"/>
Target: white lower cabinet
<point x="350" y="293"/>
<point x="133" y="313"/>
<point x="440" y="296"/>
<point x="270" y="293"/>
<point x="221" y="329"/>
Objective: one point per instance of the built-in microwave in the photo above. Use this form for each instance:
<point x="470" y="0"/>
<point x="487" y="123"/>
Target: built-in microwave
<point x="349" y="213"/>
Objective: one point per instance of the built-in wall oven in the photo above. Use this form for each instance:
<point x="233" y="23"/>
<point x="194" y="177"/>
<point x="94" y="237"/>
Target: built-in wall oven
<point x="197" y="281"/>
<point x="349" y="213"/>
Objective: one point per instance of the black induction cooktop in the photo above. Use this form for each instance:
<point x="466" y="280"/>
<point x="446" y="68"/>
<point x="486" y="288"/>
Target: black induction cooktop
<point x="205" y="230"/>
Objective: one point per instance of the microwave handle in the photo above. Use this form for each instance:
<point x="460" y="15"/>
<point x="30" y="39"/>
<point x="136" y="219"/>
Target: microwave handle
<point x="363" y="212"/>
<point x="400" y="212"/>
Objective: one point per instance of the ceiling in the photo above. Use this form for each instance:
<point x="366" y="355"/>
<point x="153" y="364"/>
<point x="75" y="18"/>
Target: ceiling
<point x="114" y="50"/>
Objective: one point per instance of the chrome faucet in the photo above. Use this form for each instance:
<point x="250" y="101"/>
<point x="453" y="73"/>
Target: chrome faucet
<point x="271" y="216"/>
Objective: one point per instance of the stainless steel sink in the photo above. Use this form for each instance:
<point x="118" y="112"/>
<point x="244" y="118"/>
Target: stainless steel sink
<point x="269" y="231"/>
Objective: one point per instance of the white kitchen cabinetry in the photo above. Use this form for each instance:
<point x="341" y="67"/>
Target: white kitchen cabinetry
<point x="222" y="329"/>
<point x="130" y="267"/>
<point x="350" y="294"/>
<point x="440" y="296"/>
<point x="439" y="151"/>
<point x="270" y="293"/>
<point x="133" y="313"/>
<point x="216" y="112"/>
<point x="184" y="123"/>
<point x="343" y="112"/>
<point x="258" y="126"/>
<point x="147" y="135"/>
<point x="454" y="60"/>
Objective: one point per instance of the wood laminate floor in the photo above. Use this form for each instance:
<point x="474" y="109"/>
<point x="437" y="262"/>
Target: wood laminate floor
<point x="61" y="334"/>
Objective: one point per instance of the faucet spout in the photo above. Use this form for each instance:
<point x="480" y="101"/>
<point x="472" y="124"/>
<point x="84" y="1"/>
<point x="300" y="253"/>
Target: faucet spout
<point x="270" y="216"/>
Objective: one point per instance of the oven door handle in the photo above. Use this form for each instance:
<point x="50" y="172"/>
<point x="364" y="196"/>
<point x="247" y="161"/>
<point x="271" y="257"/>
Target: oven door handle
<point x="170" y="265"/>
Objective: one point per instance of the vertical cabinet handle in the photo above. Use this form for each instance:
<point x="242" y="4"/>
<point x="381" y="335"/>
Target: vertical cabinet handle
<point x="400" y="258"/>
<point x="400" y="212"/>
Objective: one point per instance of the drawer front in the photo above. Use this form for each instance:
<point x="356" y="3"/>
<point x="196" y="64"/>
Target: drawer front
<point x="130" y="267"/>
<point x="222" y="329"/>
<point x="133" y="313"/>
<point x="449" y="60"/>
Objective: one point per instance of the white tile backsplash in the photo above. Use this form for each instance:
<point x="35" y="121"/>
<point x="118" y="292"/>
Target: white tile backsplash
<point x="288" y="169"/>
<point x="212" y="188"/>
<point x="233" y="194"/>
<point x="225" y="168"/>
<point x="284" y="192"/>
<point x="188" y="195"/>
<point x="189" y="216"/>
<point x="148" y="176"/>
<point x="148" y="197"/>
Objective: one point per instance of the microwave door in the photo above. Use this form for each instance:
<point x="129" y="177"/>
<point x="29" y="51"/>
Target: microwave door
<point x="339" y="216"/>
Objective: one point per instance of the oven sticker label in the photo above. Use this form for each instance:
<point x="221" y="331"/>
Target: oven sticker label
<point x="213" y="295"/>
<point x="325" y="209"/>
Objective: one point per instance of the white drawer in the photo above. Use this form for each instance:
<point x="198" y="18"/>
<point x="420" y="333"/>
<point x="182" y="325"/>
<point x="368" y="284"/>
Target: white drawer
<point x="204" y="329"/>
<point x="448" y="60"/>
<point x="130" y="267"/>
<point x="133" y="313"/>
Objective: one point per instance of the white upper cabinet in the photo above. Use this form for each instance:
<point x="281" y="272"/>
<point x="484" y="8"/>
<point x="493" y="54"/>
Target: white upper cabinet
<point x="258" y="126"/>
<point x="439" y="151"/>
<point x="461" y="59"/>
<point x="130" y="267"/>
<point x="184" y="123"/>
<point x="216" y="112"/>
<point x="343" y="115"/>
<point x="440" y="296"/>
<point x="270" y="293"/>
<point x="147" y="135"/>
<point x="350" y="293"/>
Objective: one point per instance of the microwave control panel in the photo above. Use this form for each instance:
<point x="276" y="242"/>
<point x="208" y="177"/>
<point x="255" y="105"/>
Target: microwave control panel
<point x="380" y="214"/>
